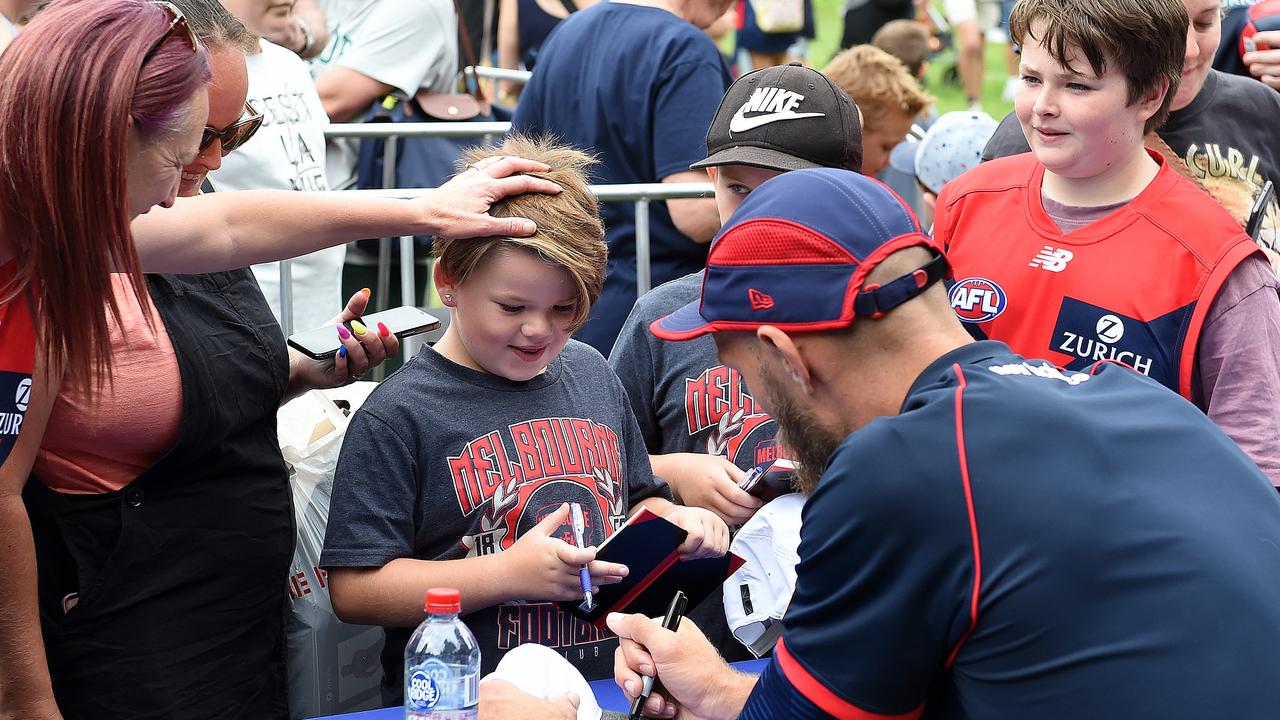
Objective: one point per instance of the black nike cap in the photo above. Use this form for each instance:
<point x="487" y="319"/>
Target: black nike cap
<point x="785" y="117"/>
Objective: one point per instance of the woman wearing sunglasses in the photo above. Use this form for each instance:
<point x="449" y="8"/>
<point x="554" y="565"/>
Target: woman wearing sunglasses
<point x="103" y="104"/>
<point x="168" y="440"/>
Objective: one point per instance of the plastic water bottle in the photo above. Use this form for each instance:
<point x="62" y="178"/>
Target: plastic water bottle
<point x="442" y="663"/>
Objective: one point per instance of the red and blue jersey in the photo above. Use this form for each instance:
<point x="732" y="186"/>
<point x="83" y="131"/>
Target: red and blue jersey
<point x="1134" y="287"/>
<point x="17" y="362"/>
<point x="1020" y="543"/>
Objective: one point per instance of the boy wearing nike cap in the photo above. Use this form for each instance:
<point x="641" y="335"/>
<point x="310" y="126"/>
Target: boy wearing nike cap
<point x="702" y="427"/>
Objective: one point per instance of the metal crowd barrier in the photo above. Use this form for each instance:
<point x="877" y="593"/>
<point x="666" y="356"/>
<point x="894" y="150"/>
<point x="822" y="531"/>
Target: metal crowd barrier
<point x="640" y="194"/>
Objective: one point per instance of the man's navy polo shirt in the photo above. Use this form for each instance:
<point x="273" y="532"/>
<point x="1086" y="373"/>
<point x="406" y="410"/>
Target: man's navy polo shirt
<point x="1023" y="542"/>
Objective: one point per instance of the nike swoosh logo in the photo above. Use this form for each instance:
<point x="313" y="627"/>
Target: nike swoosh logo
<point x="739" y="123"/>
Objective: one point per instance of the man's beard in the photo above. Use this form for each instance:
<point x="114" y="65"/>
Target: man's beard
<point x="803" y="441"/>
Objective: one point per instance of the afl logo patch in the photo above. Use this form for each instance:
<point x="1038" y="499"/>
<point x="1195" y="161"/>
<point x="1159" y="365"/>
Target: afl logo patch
<point x="976" y="300"/>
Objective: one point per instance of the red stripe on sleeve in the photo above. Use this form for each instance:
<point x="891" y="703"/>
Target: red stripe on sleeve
<point x="973" y="520"/>
<point x="819" y="695"/>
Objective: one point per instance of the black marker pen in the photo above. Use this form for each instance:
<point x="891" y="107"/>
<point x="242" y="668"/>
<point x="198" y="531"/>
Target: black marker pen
<point x="675" y="611"/>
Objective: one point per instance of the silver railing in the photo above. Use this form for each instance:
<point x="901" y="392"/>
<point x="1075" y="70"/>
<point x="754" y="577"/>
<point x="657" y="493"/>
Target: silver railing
<point x="640" y="194"/>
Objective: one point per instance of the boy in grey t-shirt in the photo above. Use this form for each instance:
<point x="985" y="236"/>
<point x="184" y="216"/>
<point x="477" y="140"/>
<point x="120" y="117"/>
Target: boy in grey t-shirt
<point x="459" y="468"/>
<point x="699" y="421"/>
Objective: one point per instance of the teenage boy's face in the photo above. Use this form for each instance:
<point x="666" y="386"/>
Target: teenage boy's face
<point x="733" y="184"/>
<point x="512" y="314"/>
<point x="1079" y="125"/>
<point x="1203" y="36"/>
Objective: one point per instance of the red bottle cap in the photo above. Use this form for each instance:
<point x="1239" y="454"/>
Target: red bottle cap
<point x="444" y="600"/>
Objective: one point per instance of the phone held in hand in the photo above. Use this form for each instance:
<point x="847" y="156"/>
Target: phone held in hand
<point x="770" y="480"/>
<point x="322" y="343"/>
<point x="1258" y="214"/>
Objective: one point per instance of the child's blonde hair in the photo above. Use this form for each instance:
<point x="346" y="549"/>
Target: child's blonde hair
<point x="879" y="83"/>
<point x="569" y="233"/>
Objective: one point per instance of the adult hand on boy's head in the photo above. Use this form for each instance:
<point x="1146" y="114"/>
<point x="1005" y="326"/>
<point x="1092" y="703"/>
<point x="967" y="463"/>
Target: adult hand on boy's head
<point x="544" y="567"/>
<point x="695" y="680"/>
<point x="1265" y="64"/>
<point x="500" y="700"/>
<point x="708" y="534"/>
<point x="460" y="208"/>
<point x="707" y="481"/>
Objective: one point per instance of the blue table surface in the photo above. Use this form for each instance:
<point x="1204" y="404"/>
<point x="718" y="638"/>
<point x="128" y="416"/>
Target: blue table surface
<point x="608" y="695"/>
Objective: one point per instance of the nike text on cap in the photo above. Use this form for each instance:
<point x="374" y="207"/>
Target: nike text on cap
<point x="786" y="117"/>
<point x="796" y="253"/>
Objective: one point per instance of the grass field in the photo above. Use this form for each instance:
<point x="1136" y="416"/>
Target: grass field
<point x="829" y="16"/>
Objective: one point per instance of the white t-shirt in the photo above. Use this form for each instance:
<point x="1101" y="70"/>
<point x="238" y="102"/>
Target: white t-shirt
<point x="410" y="45"/>
<point x="287" y="153"/>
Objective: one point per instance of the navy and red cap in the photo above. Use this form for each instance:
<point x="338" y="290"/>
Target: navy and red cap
<point x="796" y="255"/>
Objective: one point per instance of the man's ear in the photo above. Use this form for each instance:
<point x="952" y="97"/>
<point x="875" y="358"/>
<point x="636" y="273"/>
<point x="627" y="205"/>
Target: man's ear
<point x="784" y="351"/>
<point x="711" y="173"/>
<point x="446" y="288"/>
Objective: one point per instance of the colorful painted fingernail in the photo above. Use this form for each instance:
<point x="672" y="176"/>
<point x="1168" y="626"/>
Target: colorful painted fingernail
<point x="342" y="333"/>
<point x="382" y="330"/>
<point x="360" y="329"/>
<point x="342" y="351"/>
<point x="367" y="292"/>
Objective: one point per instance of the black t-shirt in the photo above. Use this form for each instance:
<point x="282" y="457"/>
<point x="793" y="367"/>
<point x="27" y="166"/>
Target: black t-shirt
<point x="443" y="462"/>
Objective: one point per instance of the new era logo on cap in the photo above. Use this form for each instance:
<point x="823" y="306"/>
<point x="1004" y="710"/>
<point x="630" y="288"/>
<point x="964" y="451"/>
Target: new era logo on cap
<point x="776" y="105"/>
<point x="759" y="301"/>
<point x="796" y="255"/>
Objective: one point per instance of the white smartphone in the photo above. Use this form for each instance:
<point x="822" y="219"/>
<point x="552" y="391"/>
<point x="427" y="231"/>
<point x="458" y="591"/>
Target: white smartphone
<point x="322" y="343"/>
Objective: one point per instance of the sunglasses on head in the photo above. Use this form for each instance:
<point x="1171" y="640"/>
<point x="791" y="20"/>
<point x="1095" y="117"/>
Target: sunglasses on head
<point x="234" y="135"/>
<point x="177" y="27"/>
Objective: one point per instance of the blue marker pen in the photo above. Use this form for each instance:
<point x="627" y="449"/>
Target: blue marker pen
<point x="579" y="524"/>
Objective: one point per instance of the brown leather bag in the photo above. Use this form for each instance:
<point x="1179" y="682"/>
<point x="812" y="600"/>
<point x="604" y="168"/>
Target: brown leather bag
<point x="447" y="107"/>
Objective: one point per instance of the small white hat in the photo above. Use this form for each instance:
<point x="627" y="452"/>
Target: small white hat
<point x="757" y="595"/>
<point x="951" y="147"/>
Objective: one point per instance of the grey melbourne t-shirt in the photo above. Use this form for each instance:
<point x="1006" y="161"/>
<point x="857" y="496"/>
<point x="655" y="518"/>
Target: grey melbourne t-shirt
<point x="443" y="462"/>
<point x="684" y="399"/>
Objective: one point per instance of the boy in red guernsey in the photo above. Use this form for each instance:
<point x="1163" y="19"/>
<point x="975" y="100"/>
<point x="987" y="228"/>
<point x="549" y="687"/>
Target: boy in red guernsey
<point x="1092" y="247"/>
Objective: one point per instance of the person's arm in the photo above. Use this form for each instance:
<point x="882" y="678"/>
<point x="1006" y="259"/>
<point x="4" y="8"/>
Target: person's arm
<point x="25" y="689"/>
<point x="399" y="46"/>
<point x="707" y="481"/>
<point x="691" y="670"/>
<point x="708" y="535"/>
<point x="1237" y="366"/>
<point x="307" y="32"/>
<point x="684" y="103"/>
<point x="537" y="567"/>
<point x="500" y="700"/>
<point x="347" y="94"/>
<point x="508" y="47"/>
<point x="1265" y="64"/>
<point x="696" y="218"/>
<point x="229" y="230"/>
<point x="362" y="352"/>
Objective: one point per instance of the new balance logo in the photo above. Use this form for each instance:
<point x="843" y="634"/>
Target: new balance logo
<point x="759" y="300"/>
<point x="1051" y="259"/>
<point x="778" y="104"/>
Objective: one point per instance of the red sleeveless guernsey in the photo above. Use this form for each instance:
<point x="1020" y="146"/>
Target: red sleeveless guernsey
<point x="17" y="361"/>
<point x="1133" y="287"/>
